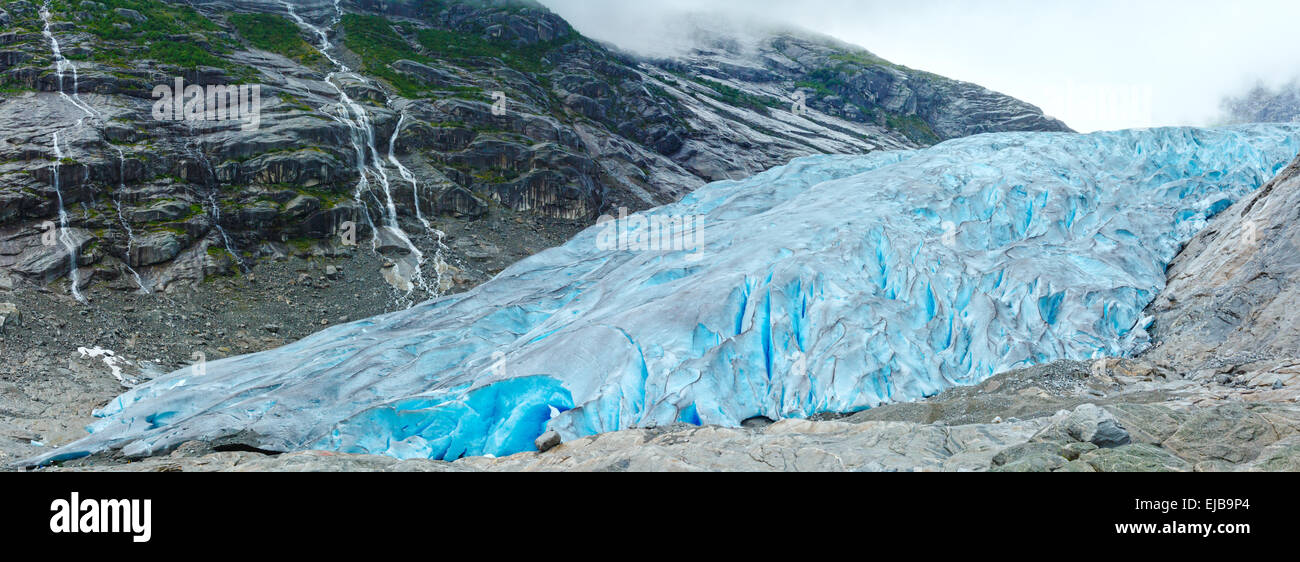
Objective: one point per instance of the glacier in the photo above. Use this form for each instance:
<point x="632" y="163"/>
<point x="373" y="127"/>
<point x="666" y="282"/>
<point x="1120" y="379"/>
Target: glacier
<point x="831" y="284"/>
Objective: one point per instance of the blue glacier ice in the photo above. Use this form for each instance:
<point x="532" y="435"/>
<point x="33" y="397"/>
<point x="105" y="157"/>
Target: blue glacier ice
<point x="831" y="284"/>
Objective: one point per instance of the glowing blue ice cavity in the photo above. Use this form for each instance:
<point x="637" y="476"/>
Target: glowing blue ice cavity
<point x="834" y="283"/>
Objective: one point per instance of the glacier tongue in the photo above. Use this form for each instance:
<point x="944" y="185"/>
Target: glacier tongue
<point x="831" y="284"/>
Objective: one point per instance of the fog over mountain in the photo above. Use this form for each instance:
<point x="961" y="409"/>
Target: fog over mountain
<point x="1096" y="65"/>
<point x="1264" y="104"/>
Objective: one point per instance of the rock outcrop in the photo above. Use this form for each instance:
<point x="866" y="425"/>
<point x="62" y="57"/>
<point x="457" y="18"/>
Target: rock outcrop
<point x="1233" y="291"/>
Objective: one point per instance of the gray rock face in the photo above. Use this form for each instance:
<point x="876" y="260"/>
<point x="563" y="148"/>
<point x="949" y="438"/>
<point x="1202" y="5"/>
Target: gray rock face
<point x="1233" y="291"/>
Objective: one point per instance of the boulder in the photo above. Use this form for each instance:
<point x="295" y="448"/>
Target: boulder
<point x="1088" y="423"/>
<point x="156" y="247"/>
<point x="1030" y="457"/>
<point x="9" y="316"/>
<point x="547" y="441"/>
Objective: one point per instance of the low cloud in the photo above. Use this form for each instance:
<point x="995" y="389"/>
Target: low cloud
<point x="1102" y="64"/>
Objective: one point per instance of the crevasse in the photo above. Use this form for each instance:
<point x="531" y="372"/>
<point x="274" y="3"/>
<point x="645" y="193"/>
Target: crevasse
<point x="831" y="284"/>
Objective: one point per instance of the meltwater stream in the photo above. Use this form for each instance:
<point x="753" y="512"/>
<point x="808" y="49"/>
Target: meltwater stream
<point x="63" y="236"/>
<point x="61" y="66"/>
<point x="211" y="185"/>
<point x="831" y="284"/>
<point x="126" y="226"/>
<point x="439" y="265"/>
<point x="410" y="274"/>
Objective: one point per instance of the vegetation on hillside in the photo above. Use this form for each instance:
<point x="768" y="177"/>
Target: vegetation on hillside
<point x="830" y="81"/>
<point x="732" y="96"/>
<point x="380" y="43"/>
<point x="276" y="34"/>
<point x="168" y="33"/>
<point x="162" y="19"/>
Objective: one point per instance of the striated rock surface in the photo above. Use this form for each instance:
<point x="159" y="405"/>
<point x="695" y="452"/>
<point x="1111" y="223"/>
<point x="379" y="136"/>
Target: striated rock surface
<point x="1234" y="290"/>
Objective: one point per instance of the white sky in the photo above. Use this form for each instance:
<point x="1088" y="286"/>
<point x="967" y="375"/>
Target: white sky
<point x="1096" y="64"/>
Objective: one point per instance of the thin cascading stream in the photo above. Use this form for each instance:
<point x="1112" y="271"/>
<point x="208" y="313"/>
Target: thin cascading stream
<point x="62" y="64"/>
<point x="64" y="238"/>
<point x="211" y="185"/>
<point x="121" y="219"/>
<point x="439" y="263"/>
<point x="369" y="161"/>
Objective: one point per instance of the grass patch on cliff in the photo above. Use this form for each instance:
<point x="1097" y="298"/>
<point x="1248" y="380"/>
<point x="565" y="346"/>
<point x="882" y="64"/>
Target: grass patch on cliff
<point x="863" y="59"/>
<point x="455" y="45"/>
<point x="826" y="82"/>
<point x="168" y="33"/>
<point x="185" y="55"/>
<point x="379" y="45"/>
<point x="276" y="34"/>
<point x="912" y="127"/>
<point x="10" y="85"/>
<point x="161" y="19"/>
<point x="733" y="96"/>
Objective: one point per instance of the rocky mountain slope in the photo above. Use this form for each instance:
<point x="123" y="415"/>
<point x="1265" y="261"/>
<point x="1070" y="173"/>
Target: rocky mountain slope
<point x="382" y="113"/>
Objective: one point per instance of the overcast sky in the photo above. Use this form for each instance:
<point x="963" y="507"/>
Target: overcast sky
<point x="1096" y="64"/>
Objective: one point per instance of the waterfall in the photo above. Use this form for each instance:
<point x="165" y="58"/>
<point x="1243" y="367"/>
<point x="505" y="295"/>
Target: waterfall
<point x="130" y="235"/>
<point x="369" y="162"/>
<point x="62" y="64"/>
<point x="66" y="239"/>
<point x="214" y="210"/>
<point x="439" y="266"/>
